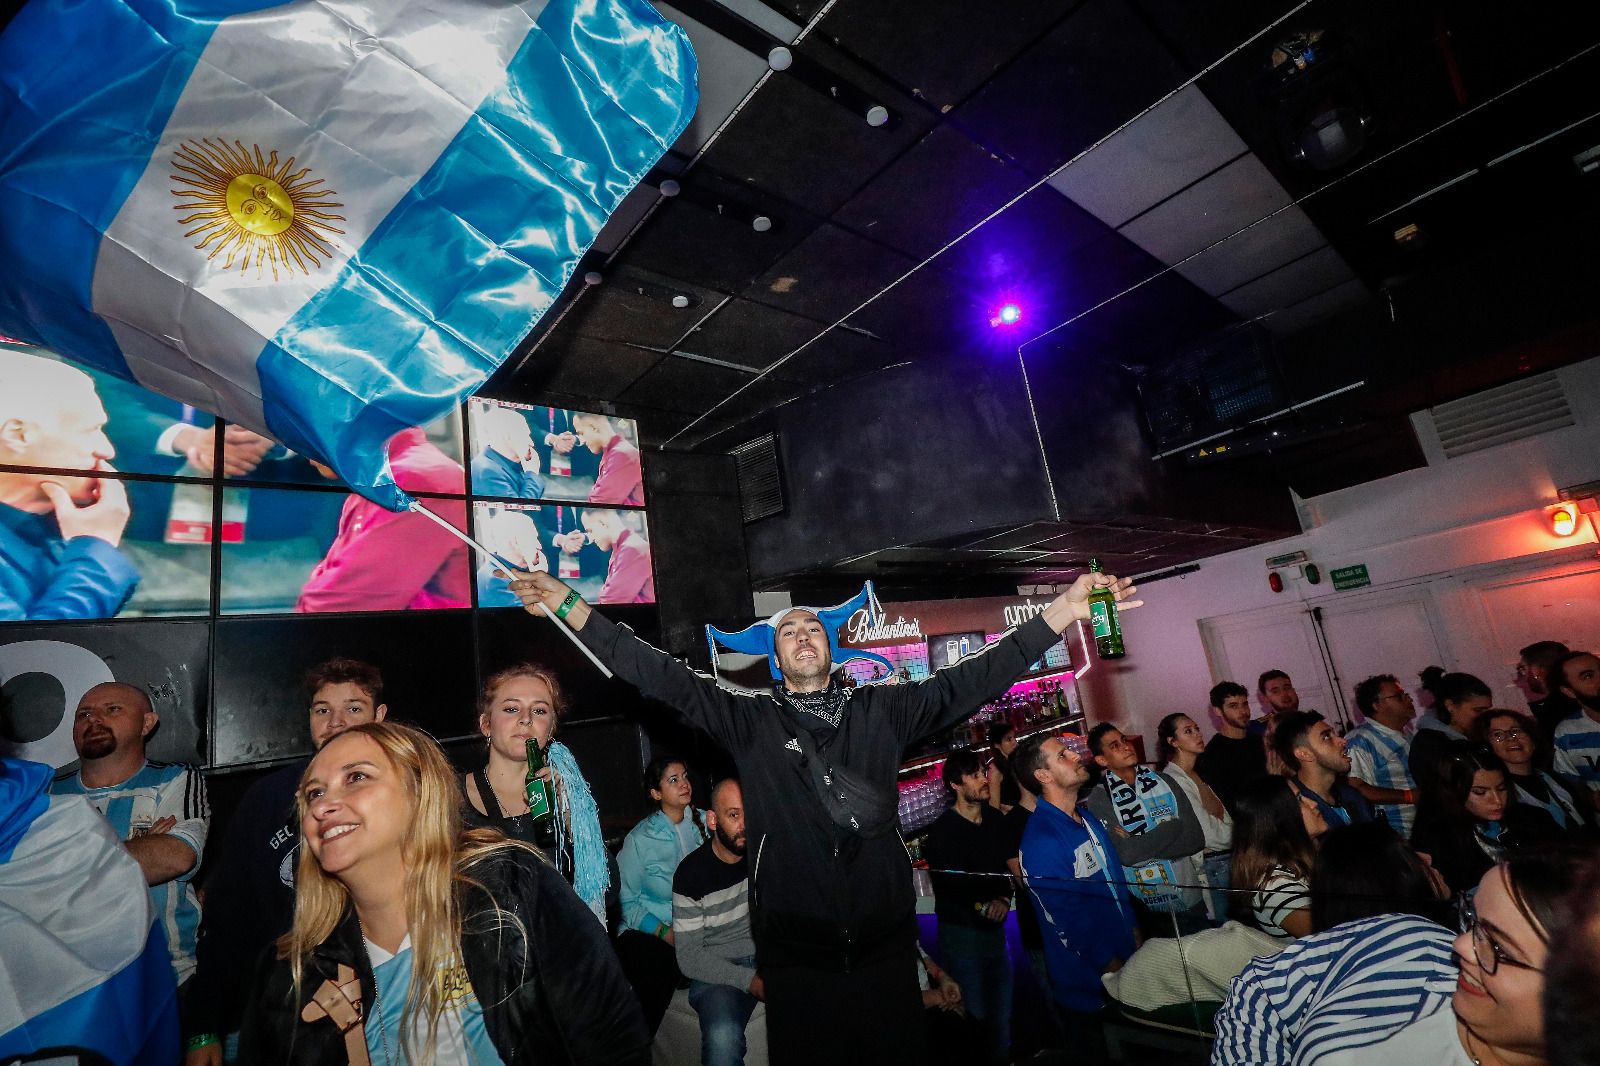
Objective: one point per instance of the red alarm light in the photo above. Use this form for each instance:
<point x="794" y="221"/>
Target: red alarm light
<point x="1275" y="581"/>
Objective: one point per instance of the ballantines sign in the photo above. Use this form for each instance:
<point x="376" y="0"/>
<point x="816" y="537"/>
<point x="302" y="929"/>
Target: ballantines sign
<point x="915" y="621"/>
<point x="864" y="629"/>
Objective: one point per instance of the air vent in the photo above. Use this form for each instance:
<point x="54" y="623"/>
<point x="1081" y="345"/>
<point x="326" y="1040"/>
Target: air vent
<point x="1501" y="415"/>
<point x="760" y="488"/>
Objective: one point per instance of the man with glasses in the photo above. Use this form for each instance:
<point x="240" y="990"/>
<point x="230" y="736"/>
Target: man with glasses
<point x="1380" y="750"/>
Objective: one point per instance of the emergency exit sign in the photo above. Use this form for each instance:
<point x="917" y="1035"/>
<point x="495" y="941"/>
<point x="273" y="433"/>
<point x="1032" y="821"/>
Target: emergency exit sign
<point x="1350" y="577"/>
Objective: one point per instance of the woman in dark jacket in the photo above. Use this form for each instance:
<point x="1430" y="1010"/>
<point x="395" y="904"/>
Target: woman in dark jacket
<point x="413" y="942"/>
<point x="1470" y="820"/>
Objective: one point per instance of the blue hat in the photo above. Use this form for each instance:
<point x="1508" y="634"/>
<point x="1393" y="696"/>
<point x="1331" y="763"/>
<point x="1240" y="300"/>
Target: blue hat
<point x="761" y="638"/>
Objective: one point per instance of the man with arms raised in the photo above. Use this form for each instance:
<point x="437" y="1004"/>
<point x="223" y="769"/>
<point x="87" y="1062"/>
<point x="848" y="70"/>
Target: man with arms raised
<point x="159" y="810"/>
<point x="59" y="533"/>
<point x="711" y="930"/>
<point x="250" y="892"/>
<point x="830" y="884"/>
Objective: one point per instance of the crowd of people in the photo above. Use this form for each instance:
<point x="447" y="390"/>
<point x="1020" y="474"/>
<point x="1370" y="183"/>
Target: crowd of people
<point x="372" y="903"/>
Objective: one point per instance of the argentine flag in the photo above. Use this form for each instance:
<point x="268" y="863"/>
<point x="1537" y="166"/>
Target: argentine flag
<point x="85" y="964"/>
<point x="326" y="220"/>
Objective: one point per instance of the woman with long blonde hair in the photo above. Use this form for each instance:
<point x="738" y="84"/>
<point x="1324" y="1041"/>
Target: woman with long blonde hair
<point x="416" y="943"/>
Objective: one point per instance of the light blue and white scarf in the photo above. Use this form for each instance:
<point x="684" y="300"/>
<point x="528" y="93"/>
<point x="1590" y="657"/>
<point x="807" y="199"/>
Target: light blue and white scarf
<point x="579" y="815"/>
<point x="1138" y="808"/>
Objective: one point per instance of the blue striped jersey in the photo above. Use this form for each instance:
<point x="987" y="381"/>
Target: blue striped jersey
<point x="1380" y="757"/>
<point x="156" y="791"/>
<point x="1334" y="992"/>
<point x="1578" y="748"/>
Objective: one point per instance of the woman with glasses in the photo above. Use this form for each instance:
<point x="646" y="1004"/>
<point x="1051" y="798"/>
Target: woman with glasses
<point x="1514" y="737"/>
<point x="1398" y="991"/>
<point x="649" y="857"/>
<point x="1469" y="820"/>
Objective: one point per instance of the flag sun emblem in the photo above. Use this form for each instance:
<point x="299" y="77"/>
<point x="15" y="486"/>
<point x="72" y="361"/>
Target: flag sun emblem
<point x="253" y="208"/>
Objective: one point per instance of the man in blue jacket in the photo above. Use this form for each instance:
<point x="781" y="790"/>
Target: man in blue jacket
<point x="1070" y="866"/>
<point x="506" y="464"/>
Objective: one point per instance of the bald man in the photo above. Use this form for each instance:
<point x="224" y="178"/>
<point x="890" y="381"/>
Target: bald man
<point x="159" y="810"/>
<point x="59" y="532"/>
<point x="507" y="465"/>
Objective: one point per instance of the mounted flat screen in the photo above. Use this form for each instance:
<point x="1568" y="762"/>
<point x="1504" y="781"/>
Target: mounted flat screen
<point x="526" y="452"/>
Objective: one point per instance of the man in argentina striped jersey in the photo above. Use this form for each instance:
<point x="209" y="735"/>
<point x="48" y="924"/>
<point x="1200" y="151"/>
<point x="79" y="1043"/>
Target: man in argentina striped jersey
<point x="158" y="810"/>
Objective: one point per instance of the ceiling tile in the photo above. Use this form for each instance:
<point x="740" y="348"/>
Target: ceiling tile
<point x="943" y="49"/>
<point x="1258" y="250"/>
<point x="933" y="193"/>
<point x="582" y="366"/>
<point x="727" y="74"/>
<point x="684" y="385"/>
<point x="750" y="334"/>
<point x="792" y="141"/>
<point x="1288" y="285"/>
<point x="1228" y="200"/>
<point x="1175" y="145"/>
<point x="829" y="274"/>
<point x="635" y="306"/>
<point x="1092" y="73"/>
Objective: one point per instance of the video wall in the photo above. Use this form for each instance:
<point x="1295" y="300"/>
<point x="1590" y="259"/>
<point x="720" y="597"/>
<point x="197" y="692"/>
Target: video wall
<point x="116" y="502"/>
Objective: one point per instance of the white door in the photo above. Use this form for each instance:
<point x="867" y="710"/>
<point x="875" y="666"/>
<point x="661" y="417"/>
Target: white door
<point x="1554" y="604"/>
<point x="1389" y="631"/>
<point x="1242" y="647"/>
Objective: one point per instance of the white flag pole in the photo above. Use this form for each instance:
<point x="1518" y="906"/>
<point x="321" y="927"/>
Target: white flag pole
<point x="561" y="625"/>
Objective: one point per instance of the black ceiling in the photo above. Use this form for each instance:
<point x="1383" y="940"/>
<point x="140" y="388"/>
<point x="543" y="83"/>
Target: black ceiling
<point x="1190" y="219"/>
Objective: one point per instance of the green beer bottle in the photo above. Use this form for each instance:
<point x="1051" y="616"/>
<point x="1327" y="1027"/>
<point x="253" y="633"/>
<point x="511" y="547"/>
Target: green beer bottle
<point x="1103" y="616"/>
<point x="540" y="804"/>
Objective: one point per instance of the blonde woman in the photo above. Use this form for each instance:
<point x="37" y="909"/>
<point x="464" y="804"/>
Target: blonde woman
<point x="415" y="943"/>
<point x="521" y="703"/>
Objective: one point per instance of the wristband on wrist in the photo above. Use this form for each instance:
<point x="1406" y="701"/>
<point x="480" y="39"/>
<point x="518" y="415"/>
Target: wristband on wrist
<point x="200" y="1040"/>
<point x="1411" y="795"/>
<point x="661" y="931"/>
<point x="567" y="604"/>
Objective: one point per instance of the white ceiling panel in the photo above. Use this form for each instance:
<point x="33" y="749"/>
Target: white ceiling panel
<point x="1289" y="285"/>
<point x="727" y="74"/>
<point x="1258" y="250"/>
<point x="1173" y="146"/>
<point x="1240" y="193"/>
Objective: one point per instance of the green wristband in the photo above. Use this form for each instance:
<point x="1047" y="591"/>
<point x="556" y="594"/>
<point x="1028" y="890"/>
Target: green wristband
<point x="200" y="1040"/>
<point x="567" y="604"/>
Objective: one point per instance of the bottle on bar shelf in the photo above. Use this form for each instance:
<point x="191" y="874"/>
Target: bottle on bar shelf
<point x="1103" y="617"/>
<point x="541" y="806"/>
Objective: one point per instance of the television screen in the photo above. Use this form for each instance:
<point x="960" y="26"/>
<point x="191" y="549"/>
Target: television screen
<point x="311" y="552"/>
<point x="428" y="457"/>
<point x="602" y="552"/>
<point x="524" y="452"/>
<point x="82" y="547"/>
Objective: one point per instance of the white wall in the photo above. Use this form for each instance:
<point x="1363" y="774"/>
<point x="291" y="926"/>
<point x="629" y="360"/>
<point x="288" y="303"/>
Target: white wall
<point x="1441" y="525"/>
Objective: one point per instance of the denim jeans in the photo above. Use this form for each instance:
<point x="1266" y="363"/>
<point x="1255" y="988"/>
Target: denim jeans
<point x="976" y="958"/>
<point x="724" y="1012"/>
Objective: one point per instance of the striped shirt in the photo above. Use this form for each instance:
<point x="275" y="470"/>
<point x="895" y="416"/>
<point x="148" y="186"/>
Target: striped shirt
<point x="156" y="791"/>
<point x="1335" y="992"/>
<point x="1279" y="896"/>
<point x="1578" y="748"/>
<point x="1378" y="756"/>
<point x="711" y="919"/>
